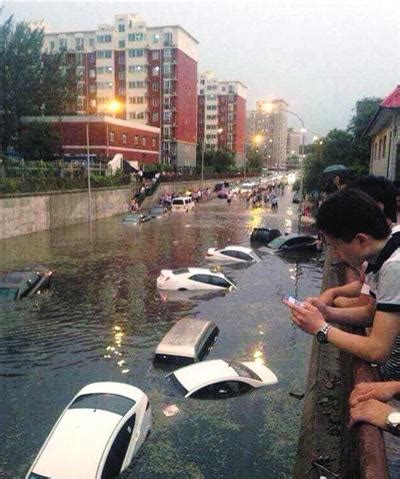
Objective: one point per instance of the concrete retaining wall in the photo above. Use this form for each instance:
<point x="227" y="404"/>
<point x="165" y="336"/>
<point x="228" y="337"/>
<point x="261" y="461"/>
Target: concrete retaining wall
<point x="24" y="214"/>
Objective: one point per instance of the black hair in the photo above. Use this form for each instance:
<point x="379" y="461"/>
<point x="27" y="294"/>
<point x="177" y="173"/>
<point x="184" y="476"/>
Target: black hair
<point x="381" y="190"/>
<point x="349" y="212"/>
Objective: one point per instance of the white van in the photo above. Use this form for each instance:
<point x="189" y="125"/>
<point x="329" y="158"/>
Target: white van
<point x="182" y="203"/>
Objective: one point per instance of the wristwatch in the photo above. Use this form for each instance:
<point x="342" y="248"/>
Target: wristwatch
<point x="322" y="333"/>
<point x="393" y="423"/>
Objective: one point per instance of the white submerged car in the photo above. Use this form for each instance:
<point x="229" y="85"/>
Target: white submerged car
<point x="232" y="254"/>
<point x="97" y="435"/>
<point x="219" y="378"/>
<point x="185" y="279"/>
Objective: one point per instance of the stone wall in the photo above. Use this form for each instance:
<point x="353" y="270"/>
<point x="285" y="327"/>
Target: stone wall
<point x="24" y="214"/>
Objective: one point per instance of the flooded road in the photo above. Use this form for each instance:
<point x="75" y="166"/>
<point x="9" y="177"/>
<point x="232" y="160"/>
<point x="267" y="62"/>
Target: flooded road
<point x="104" y="317"/>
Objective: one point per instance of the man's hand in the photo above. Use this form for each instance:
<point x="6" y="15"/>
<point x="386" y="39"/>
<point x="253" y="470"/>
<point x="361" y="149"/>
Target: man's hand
<point x="322" y="307"/>
<point x="307" y="317"/>
<point x="327" y="297"/>
<point x="371" y="411"/>
<point x="382" y="391"/>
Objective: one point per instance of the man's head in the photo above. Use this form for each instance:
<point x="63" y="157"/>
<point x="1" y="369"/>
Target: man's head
<point x="353" y="224"/>
<point x="382" y="191"/>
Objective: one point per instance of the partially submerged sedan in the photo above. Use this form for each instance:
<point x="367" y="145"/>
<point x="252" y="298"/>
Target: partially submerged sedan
<point x="136" y="218"/>
<point x="185" y="279"/>
<point x="97" y="435"/>
<point x="264" y="235"/>
<point x="16" y="285"/>
<point x="294" y="242"/>
<point x="158" y="211"/>
<point x="218" y="378"/>
<point x="232" y="254"/>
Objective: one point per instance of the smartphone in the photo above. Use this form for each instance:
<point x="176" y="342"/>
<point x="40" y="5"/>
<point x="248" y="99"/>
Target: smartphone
<point x="292" y="300"/>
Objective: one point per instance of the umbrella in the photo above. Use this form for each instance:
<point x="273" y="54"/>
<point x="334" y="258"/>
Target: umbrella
<point x="335" y="169"/>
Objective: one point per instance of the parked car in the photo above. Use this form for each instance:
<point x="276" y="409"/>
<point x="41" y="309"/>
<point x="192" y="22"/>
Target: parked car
<point x="136" y="218"/>
<point x="219" y="378"/>
<point x="232" y="254"/>
<point x="185" y="279"/>
<point x="223" y="194"/>
<point x="263" y="235"/>
<point x="182" y="203"/>
<point x="16" y="285"/>
<point x="294" y="242"/>
<point x="97" y="435"/>
<point x="158" y="211"/>
<point x="187" y="341"/>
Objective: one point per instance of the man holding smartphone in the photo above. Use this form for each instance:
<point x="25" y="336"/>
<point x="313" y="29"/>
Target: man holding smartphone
<point x="357" y="230"/>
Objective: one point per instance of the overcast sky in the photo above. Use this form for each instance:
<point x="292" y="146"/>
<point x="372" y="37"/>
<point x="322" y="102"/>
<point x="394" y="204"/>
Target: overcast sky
<point x="321" y="56"/>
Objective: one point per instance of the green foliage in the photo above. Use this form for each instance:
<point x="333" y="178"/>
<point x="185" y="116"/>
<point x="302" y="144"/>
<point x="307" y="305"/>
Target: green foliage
<point x="31" y="83"/>
<point x="216" y="161"/>
<point x="254" y="160"/>
<point x="39" y="141"/>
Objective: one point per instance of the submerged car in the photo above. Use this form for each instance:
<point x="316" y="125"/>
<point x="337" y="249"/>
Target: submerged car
<point x="16" y="285"/>
<point x="184" y="279"/>
<point x="219" y="378"/>
<point x="136" y="218"/>
<point x="188" y="341"/>
<point x="264" y="235"/>
<point x="232" y="254"/>
<point x="97" y="435"/>
<point x="158" y="211"/>
<point x="294" y="242"/>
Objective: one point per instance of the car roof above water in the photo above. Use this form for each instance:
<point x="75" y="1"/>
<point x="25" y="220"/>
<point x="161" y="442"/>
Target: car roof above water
<point x="187" y="339"/>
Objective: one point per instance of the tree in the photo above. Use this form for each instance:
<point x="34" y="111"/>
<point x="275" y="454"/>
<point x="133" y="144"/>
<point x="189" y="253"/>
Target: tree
<point x="365" y="110"/>
<point x="254" y="159"/>
<point x="218" y="161"/>
<point x="39" y="141"/>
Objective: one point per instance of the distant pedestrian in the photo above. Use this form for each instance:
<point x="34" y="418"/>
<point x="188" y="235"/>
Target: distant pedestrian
<point x="274" y="203"/>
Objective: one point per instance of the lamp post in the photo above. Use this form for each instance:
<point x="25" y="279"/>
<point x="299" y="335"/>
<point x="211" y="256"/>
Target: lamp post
<point x="88" y="172"/>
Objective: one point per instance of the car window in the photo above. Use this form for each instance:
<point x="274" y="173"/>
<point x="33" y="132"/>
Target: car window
<point x="237" y="254"/>
<point x="223" y="389"/>
<point x="116" y="456"/>
<point x="177" y="202"/>
<point x="107" y="402"/>
<point x="243" y="370"/>
<point x="210" y="279"/>
<point x="33" y="475"/>
<point x="277" y="242"/>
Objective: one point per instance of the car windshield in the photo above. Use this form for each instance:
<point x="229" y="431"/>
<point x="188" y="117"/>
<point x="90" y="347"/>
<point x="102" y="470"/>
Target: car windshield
<point x="157" y="209"/>
<point x="277" y="242"/>
<point x="33" y="475"/>
<point x="105" y="401"/>
<point x="243" y="370"/>
<point x="176" y="385"/>
<point x="8" y="293"/>
<point x="177" y="202"/>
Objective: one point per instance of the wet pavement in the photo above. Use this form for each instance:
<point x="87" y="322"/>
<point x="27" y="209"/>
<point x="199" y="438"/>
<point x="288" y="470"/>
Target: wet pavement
<point x="104" y="317"/>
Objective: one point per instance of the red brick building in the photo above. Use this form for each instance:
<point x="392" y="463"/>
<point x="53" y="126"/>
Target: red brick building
<point x="107" y="136"/>
<point x="151" y="71"/>
<point x="222" y="115"/>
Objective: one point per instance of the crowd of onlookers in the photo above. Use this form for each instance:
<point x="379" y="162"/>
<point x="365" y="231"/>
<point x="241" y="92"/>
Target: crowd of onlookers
<point x="359" y="224"/>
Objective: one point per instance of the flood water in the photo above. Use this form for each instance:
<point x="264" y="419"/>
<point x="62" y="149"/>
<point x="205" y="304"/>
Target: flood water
<point x="104" y="317"/>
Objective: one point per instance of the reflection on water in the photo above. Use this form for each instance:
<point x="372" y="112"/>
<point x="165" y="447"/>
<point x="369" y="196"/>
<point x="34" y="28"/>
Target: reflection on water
<point x="104" y="317"/>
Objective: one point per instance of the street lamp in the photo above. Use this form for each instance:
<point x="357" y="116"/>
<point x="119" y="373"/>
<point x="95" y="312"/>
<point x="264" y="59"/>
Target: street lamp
<point x="203" y="147"/>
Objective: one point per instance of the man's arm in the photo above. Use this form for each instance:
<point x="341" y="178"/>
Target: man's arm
<point x="343" y="302"/>
<point x="358" y="316"/>
<point x="375" y="348"/>
<point x="351" y="290"/>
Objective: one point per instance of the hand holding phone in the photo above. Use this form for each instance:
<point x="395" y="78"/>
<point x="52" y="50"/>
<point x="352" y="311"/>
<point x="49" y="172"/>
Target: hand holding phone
<point x="292" y="300"/>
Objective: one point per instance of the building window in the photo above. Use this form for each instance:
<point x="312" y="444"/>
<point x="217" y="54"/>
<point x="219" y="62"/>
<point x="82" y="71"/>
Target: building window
<point x="136" y="139"/>
<point x="143" y="141"/>
<point x="92" y="73"/>
<point x="121" y="91"/>
<point x="79" y="43"/>
<point x="135" y="52"/>
<point x="154" y="116"/>
<point x="112" y="136"/>
<point x="102" y="70"/>
<point x="121" y="28"/>
<point x="136" y="37"/>
<point x="156" y="38"/>
<point x="155" y="86"/>
<point x="124" y="138"/>
<point x="132" y="115"/>
<point x="155" y="71"/>
<point x="121" y="75"/>
<point x="154" y="142"/>
<point x="103" y="38"/>
<point x="136" y="84"/>
<point x="167" y="39"/>
<point x="52" y="45"/>
<point x="121" y="44"/>
<point x="140" y="115"/>
<point x="136" y="68"/>
<point x="155" y="102"/>
<point x="167" y="53"/>
<point x="104" y="54"/>
<point x="91" y="42"/>
<point x="155" y="55"/>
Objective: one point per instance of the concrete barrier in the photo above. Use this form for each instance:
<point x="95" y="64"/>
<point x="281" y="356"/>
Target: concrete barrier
<point x="29" y="213"/>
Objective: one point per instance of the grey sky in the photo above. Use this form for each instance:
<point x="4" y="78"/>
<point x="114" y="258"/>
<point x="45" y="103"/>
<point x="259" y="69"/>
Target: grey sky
<point x="321" y="56"/>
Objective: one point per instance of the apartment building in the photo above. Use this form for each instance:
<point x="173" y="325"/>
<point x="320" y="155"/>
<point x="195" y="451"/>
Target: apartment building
<point x="268" y="124"/>
<point x="222" y="115"/>
<point x="150" y="71"/>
